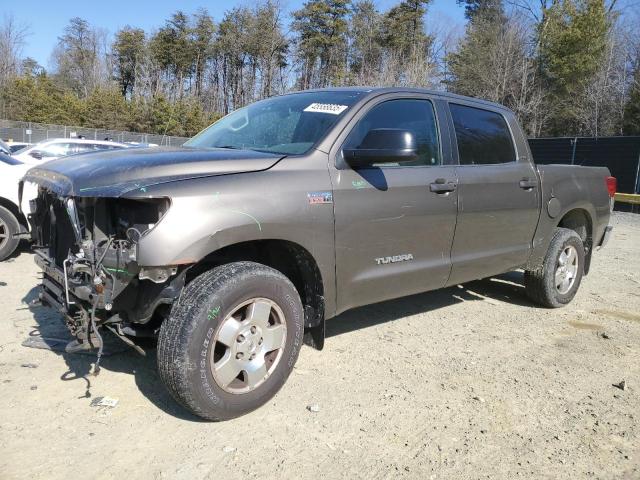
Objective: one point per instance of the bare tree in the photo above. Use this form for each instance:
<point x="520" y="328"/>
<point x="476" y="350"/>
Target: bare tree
<point x="12" y="41"/>
<point x="602" y="107"/>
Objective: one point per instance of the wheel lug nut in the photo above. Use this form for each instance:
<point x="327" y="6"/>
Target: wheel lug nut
<point x="253" y="329"/>
<point x="240" y="338"/>
<point x="239" y="355"/>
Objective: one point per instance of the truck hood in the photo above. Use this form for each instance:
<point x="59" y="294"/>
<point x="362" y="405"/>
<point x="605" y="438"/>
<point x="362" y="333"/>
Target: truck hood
<point x="114" y="173"/>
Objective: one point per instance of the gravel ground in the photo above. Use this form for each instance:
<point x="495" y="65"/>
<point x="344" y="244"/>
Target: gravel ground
<point x="469" y="382"/>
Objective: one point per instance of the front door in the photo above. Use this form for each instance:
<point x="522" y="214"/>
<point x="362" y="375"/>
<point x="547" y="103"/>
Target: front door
<point x="394" y="221"/>
<point x="497" y="197"/>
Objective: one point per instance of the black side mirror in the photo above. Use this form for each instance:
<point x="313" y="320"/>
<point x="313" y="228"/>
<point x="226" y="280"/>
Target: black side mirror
<point x="37" y="154"/>
<point x="382" y="145"/>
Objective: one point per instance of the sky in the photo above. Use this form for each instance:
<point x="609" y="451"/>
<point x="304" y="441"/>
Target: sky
<point x="46" y="19"/>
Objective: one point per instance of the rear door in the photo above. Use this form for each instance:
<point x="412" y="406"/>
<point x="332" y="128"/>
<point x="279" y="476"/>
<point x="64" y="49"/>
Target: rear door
<point x="498" y="204"/>
<point x="393" y="233"/>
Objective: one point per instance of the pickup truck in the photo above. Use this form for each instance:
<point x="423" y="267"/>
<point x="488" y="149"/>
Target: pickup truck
<point x="234" y="249"/>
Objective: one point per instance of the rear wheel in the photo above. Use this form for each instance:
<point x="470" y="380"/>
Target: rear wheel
<point x="231" y="340"/>
<point x="9" y="227"/>
<point x="557" y="281"/>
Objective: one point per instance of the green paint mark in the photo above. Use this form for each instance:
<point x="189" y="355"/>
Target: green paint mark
<point x="118" y="270"/>
<point x="213" y="313"/>
<point x="250" y="216"/>
<point x="359" y="184"/>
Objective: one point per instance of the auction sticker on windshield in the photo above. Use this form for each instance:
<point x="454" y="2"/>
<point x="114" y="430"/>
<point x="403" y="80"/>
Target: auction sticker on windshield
<point x="331" y="108"/>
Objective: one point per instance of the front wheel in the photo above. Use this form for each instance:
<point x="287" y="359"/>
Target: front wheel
<point x="556" y="282"/>
<point x="231" y="340"/>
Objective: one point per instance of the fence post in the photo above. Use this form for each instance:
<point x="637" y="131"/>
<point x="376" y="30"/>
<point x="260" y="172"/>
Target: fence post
<point x="637" y="189"/>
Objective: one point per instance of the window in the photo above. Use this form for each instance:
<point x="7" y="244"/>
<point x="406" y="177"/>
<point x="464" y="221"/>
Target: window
<point x="416" y="116"/>
<point x="483" y="136"/>
<point x="289" y="124"/>
<point x="102" y="146"/>
<point x="56" y="150"/>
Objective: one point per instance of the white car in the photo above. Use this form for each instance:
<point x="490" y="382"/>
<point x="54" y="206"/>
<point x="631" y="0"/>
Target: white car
<point x="61" y="147"/>
<point x="13" y="221"/>
<point x="17" y="146"/>
<point x="4" y="148"/>
<point x="13" y="224"/>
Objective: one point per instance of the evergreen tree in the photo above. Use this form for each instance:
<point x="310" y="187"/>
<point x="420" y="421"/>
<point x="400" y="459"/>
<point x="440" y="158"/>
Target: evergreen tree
<point x="128" y="51"/>
<point x="39" y="99"/>
<point x="631" y="122"/>
<point x="105" y="108"/>
<point x="566" y="72"/>
<point x="365" y="31"/>
<point x="404" y="30"/>
<point x="487" y="9"/>
<point x="573" y="38"/>
<point x="174" y="52"/>
<point x="321" y="26"/>
<point x="202" y="35"/>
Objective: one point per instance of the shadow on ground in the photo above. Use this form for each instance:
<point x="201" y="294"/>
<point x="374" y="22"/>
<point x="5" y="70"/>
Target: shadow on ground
<point x="507" y="288"/>
<point x="49" y="324"/>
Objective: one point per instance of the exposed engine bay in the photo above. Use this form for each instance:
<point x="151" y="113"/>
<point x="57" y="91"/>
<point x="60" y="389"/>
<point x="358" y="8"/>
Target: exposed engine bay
<point x="87" y="249"/>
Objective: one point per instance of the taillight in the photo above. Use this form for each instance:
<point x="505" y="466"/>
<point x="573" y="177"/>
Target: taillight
<point x="612" y="185"/>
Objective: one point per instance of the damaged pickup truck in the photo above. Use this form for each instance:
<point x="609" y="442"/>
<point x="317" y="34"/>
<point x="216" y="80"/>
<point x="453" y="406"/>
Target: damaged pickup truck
<point x="234" y="249"/>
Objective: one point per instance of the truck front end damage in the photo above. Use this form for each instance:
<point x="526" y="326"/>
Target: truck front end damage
<point x="87" y="248"/>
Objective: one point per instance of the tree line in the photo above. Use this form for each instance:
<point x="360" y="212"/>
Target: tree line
<point x="566" y="67"/>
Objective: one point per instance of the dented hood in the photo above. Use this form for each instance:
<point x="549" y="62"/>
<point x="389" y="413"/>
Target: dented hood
<point x="116" y="172"/>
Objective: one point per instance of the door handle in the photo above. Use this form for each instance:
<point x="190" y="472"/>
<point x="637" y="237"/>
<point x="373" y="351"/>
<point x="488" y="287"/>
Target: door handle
<point x="441" y="186"/>
<point x="528" y="184"/>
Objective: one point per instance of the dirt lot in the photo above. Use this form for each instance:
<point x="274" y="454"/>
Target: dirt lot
<point x="468" y="382"/>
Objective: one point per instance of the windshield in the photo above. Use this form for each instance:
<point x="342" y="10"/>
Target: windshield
<point x="288" y="125"/>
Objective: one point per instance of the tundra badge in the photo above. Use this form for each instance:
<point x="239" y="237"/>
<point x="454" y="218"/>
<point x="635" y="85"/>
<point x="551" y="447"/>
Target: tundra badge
<point x="396" y="258"/>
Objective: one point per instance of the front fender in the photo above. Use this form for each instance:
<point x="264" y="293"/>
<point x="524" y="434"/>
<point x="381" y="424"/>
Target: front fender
<point x="207" y="215"/>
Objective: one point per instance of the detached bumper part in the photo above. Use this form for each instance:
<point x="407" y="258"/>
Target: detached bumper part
<point x="605" y="238"/>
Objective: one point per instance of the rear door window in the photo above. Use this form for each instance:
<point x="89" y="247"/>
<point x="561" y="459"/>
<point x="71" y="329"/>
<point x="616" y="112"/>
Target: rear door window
<point x="483" y="136"/>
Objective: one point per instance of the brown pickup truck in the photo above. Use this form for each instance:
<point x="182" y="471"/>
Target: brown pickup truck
<point x="235" y="249"/>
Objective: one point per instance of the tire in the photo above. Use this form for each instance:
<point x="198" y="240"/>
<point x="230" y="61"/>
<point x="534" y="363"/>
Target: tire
<point x="199" y="346"/>
<point x="550" y="285"/>
<point x="9" y="226"/>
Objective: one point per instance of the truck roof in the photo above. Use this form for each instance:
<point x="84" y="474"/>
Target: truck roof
<point x="375" y="91"/>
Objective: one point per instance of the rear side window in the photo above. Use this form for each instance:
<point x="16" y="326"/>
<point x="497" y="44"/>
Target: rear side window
<point x="483" y="136"/>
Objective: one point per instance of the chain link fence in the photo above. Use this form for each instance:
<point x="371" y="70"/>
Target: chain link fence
<point x="35" y="132"/>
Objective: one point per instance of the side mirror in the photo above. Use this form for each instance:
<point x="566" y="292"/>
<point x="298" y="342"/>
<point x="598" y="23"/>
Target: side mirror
<point x="382" y="145"/>
<point x="37" y="154"/>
